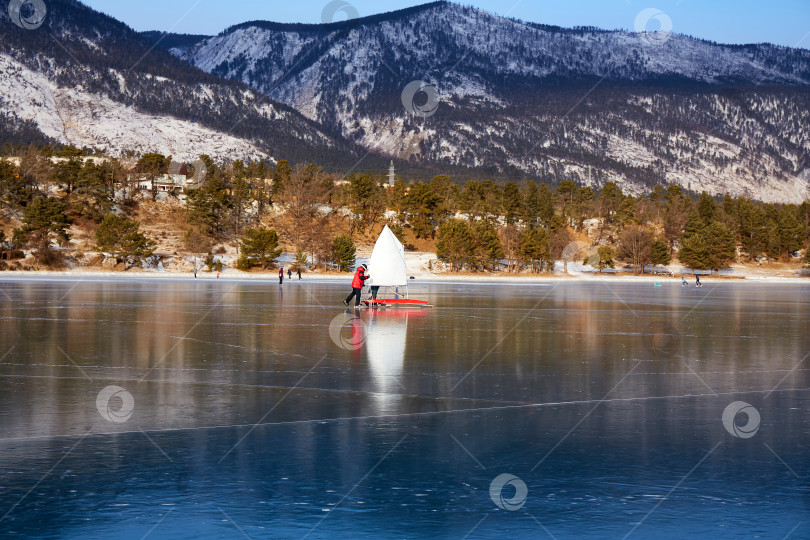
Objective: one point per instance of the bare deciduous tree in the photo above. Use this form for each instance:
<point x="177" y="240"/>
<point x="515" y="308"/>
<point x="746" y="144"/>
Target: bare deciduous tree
<point x="305" y="196"/>
<point x="509" y="236"/>
<point x="635" y="245"/>
<point x="559" y="240"/>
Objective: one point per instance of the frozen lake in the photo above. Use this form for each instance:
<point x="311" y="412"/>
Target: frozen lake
<point x="618" y="410"/>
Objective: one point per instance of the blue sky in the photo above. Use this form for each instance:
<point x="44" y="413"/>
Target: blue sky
<point x="786" y="22"/>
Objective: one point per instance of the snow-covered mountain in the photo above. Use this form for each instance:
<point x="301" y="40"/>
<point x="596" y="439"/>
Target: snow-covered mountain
<point x="86" y="79"/>
<point x="516" y="99"/>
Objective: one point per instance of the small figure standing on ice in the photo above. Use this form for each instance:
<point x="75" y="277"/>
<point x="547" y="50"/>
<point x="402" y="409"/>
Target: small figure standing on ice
<point x="697" y="281"/>
<point x="299" y="273"/>
<point x="281" y="276"/>
<point x="357" y="285"/>
<point x="289" y="273"/>
<point x="684" y="284"/>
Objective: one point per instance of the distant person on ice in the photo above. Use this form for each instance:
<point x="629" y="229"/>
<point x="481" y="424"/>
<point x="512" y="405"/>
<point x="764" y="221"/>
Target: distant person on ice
<point x="357" y="285"/>
<point x="281" y="276"/>
<point x="697" y="281"/>
<point x="299" y="273"/>
<point x="289" y="273"/>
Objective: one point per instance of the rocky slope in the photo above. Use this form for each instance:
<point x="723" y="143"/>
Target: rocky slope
<point x="515" y="99"/>
<point x="86" y="79"/>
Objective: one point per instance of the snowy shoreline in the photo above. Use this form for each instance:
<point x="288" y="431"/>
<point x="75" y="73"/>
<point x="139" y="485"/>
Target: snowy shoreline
<point x="314" y="277"/>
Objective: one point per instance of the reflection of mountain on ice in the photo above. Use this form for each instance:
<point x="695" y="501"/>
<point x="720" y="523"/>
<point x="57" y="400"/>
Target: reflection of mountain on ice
<point x="385" y="346"/>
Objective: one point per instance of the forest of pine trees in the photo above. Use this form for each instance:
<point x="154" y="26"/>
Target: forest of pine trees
<point x="480" y="225"/>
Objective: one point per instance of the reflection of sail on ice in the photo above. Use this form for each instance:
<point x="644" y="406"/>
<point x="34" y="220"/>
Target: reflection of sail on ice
<point x="385" y="346"/>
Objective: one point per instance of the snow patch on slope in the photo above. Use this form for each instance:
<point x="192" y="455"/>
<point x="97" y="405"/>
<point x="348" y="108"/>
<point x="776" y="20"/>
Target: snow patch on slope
<point x="79" y="118"/>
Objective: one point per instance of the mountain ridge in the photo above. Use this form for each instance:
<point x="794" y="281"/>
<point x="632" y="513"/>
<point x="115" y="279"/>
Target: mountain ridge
<point x="93" y="72"/>
<point x="526" y="100"/>
<point x="512" y="99"/>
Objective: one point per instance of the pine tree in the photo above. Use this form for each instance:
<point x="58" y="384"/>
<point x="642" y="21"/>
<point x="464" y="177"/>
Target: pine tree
<point x="751" y="228"/>
<point x="259" y="247"/>
<point x="531" y="204"/>
<point x="94" y="194"/>
<point x="694" y="225"/>
<point x="66" y="173"/>
<point x="492" y="199"/>
<point x="512" y="205"/>
<point x="473" y="199"/>
<point x="240" y="200"/>
<point x="44" y="216"/>
<point x="706" y="208"/>
<point x="153" y="165"/>
<point x="423" y="206"/>
<point x="455" y="244"/>
<point x="121" y="236"/>
<point x="660" y="253"/>
<point x="301" y="260"/>
<point x="791" y="232"/>
<point x="606" y="254"/>
<point x="449" y="193"/>
<point x="15" y="188"/>
<point x="731" y="207"/>
<point x="611" y="200"/>
<point x="488" y="248"/>
<point x="628" y="211"/>
<point x="566" y="193"/>
<point x="721" y="245"/>
<point x="366" y="201"/>
<point x="694" y="253"/>
<point x="281" y="174"/>
<point x="583" y="204"/>
<point x="208" y="205"/>
<point x="545" y="208"/>
<point x="676" y="214"/>
<point x="344" y="252"/>
<point x="535" y="249"/>
<point x="397" y="199"/>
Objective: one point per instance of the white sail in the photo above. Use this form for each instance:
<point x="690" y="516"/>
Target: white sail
<point x="387" y="264"/>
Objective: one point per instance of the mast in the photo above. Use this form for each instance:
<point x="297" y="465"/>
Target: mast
<point x="392" y="179"/>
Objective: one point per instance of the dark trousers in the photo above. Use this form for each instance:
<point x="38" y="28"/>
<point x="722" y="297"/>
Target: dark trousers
<point x="355" y="293"/>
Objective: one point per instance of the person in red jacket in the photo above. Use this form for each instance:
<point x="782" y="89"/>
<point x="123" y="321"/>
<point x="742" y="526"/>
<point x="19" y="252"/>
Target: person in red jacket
<point x="357" y="285"/>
